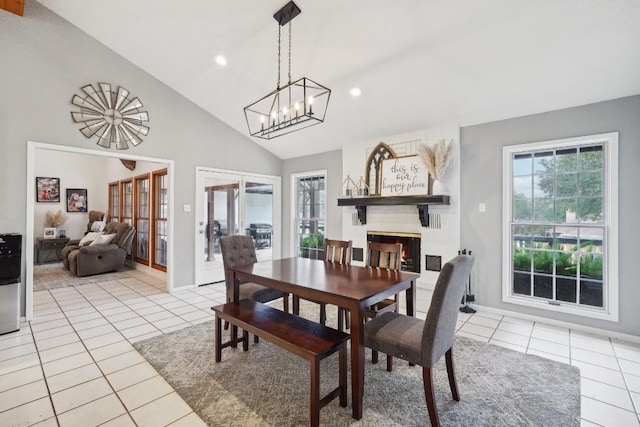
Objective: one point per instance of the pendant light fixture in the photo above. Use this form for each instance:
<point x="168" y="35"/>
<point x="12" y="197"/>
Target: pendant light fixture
<point x="297" y="105"/>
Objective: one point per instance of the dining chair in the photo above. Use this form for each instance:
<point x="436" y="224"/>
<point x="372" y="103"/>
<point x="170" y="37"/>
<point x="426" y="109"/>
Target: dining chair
<point x="240" y="250"/>
<point x="379" y="255"/>
<point x="424" y="342"/>
<point x="336" y="251"/>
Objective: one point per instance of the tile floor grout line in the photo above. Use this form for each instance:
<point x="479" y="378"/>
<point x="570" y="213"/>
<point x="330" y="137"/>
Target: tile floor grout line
<point x="44" y="377"/>
<point x="624" y="379"/>
<point x="193" y="295"/>
<point x="112" y="387"/>
<point x="104" y="376"/>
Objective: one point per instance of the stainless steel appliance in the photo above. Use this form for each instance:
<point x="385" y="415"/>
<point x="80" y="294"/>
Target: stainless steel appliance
<point x="10" y="272"/>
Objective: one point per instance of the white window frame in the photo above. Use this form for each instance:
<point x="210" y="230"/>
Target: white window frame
<point x="610" y="211"/>
<point x="294" y="204"/>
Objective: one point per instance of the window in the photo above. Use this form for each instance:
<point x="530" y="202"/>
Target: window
<point x="127" y="202"/>
<point x="141" y="242"/>
<point x="160" y="215"/>
<point x="560" y="225"/>
<point x="131" y="202"/>
<point x="309" y="216"/>
<point x="114" y="202"/>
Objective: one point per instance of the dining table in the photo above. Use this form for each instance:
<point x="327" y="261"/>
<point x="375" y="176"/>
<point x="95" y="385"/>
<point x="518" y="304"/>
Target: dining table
<point x="351" y="287"/>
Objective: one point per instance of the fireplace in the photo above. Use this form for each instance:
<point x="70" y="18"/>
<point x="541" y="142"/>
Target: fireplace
<point x="410" y="246"/>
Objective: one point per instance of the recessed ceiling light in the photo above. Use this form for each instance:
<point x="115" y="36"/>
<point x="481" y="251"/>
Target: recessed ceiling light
<point x="221" y="60"/>
<point x="355" y="91"/>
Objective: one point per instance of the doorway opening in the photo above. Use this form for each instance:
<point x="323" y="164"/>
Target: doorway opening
<point x="38" y="150"/>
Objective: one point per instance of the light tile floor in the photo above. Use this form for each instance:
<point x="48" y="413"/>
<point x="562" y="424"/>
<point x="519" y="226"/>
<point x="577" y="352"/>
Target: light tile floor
<point x="74" y="364"/>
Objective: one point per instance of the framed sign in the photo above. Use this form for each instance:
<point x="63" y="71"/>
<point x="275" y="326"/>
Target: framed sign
<point x="404" y="176"/>
<point x="47" y="189"/>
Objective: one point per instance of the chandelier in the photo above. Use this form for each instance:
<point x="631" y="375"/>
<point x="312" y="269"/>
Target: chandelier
<point x="297" y="105"/>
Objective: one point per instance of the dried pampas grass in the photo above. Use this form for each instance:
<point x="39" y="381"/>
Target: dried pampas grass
<point x="55" y="219"/>
<point x="436" y="158"/>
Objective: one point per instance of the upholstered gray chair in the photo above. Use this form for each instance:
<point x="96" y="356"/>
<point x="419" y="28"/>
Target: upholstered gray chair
<point x="424" y="342"/>
<point x="240" y="250"/>
<point x="337" y="251"/>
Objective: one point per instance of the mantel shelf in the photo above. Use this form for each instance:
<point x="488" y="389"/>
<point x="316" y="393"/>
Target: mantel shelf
<point x="421" y="202"/>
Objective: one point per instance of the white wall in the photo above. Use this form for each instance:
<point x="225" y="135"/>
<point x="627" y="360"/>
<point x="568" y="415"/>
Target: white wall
<point x="115" y="171"/>
<point x="444" y="242"/>
<point x="75" y="171"/>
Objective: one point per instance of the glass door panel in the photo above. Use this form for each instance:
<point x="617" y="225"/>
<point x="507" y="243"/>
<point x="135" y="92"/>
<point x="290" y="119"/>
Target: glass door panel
<point x="230" y="204"/>
<point x="259" y="217"/>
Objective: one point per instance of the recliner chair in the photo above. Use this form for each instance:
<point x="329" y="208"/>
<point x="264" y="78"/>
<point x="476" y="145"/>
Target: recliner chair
<point x="96" y="259"/>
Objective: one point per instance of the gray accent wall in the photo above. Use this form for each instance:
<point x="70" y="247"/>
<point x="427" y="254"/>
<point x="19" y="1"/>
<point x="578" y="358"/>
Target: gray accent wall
<point x="481" y="182"/>
<point x="45" y="61"/>
<point x="331" y="162"/>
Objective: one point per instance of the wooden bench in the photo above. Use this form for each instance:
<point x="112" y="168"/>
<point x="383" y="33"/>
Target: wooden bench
<point x="298" y="335"/>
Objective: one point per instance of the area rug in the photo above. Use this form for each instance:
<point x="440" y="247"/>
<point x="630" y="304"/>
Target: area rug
<point x="54" y="275"/>
<point x="268" y="386"/>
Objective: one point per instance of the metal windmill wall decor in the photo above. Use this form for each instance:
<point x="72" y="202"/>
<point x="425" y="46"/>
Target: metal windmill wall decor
<point x="110" y="114"/>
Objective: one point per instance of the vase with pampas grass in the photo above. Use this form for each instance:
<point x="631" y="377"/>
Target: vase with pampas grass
<point x="437" y="159"/>
<point x="54" y="219"/>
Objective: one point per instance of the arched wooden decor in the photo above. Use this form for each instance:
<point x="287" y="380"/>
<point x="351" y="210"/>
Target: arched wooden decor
<point x="129" y="164"/>
<point x="373" y="167"/>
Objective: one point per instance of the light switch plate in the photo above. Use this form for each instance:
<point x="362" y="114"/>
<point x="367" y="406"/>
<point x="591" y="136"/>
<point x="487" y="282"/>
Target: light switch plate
<point x="482" y="207"/>
<point x="186" y="208"/>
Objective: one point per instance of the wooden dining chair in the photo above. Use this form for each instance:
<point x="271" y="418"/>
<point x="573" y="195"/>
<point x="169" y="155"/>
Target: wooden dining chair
<point x="240" y="250"/>
<point x="389" y="256"/>
<point x="379" y="255"/>
<point x="336" y="251"/>
<point x="424" y="342"/>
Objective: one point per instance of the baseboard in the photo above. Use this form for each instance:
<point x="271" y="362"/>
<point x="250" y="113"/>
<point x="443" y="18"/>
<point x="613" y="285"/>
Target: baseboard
<point x="596" y="331"/>
<point x="146" y="269"/>
<point x="182" y="288"/>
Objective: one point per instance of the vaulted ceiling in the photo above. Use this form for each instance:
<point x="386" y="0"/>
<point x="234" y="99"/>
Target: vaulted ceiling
<point x="419" y="63"/>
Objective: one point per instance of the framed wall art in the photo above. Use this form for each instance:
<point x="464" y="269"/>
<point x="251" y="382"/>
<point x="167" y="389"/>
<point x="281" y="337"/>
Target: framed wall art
<point x="77" y="200"/>
<point x="47" y="189"/>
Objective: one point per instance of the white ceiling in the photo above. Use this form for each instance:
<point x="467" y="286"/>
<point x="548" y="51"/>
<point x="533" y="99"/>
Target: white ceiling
<point x="420" y="63"/>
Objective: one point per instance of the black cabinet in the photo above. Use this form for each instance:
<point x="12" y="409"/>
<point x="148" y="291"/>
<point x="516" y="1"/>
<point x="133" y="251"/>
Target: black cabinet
<point x="50" y="250"/>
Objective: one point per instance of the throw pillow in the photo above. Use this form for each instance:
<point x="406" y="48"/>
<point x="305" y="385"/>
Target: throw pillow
<point x="88" y="238"/>
<point x="103" y="239"/>
<point x="98" y="226"/>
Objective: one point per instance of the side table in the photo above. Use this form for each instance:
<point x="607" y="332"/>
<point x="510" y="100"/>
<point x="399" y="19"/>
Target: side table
<point x="50" y="250"/>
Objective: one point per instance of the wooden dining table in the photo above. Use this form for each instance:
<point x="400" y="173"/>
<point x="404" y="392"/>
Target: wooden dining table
<point x="351" y="287"/>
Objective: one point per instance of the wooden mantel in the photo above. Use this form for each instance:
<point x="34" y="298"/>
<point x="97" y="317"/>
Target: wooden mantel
<point x="421" y="202"/>
<point x="13" y="6"/>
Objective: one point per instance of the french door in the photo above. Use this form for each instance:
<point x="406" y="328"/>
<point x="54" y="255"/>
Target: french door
<point x="230" y="203"/>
